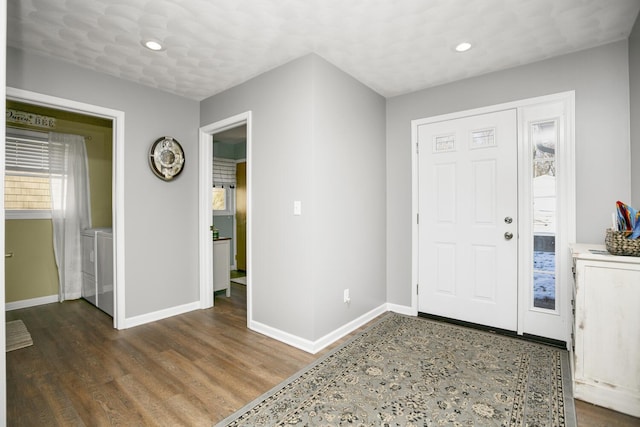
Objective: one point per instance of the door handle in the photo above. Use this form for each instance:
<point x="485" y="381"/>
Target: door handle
<point x="508" y="235"/>
<point x="508" y="219"/>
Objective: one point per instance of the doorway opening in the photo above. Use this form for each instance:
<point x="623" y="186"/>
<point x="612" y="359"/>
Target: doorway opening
<point x="114" y="187"/>
<point x="229" y="208"/>
<point x="225" y="202"/>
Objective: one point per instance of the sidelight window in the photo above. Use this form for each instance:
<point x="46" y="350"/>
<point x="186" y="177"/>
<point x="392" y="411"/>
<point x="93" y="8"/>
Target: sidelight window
<point x="544" y="137"/>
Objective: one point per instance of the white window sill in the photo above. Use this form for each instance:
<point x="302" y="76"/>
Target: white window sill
<point x="26" y="214"/>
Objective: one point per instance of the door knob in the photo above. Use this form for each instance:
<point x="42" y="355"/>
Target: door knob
<point x="508" y="235"/>
<point x="508" y="219"/>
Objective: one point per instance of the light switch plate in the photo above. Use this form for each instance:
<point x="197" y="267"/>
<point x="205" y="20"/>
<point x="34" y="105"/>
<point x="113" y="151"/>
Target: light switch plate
<point x="297" y="207"/>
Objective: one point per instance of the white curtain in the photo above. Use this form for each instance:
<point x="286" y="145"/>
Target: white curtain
<point x="70" y="208"/>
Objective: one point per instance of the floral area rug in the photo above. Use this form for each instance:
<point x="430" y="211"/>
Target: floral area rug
<point x="410" y="371"/>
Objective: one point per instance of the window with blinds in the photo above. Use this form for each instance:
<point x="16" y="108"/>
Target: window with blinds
<point x="224" y="173"/>
<point x="224" y="181"/>
<point x="27" y="192"/>
<point x="27" y="154"/>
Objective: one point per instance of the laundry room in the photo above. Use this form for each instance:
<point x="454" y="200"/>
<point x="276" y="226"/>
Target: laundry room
<point x="33" y="245"/>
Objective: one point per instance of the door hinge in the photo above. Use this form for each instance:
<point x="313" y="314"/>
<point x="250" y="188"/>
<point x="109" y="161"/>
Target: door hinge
<point x="417" y="218"/>
<point x="417" y="288"/>
<point x="417" y="148"/>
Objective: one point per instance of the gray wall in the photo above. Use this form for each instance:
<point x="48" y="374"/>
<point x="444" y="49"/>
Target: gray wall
<point x="634" y="87"/>
<point x="280" y="160"/>
<point x="160" y="217"/>
<point x="306" y="113"/>
<point x="600" y="77"/>
<point x="349" y="200"/>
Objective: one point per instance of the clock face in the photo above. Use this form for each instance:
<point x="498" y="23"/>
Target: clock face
<point x="166" y="158"/>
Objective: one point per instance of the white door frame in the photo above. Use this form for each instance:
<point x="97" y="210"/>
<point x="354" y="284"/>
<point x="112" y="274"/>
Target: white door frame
<point x="117" y="184"/>
<point x="565" y="199"/>
<point x="3" y="94"/>
<point x="205" y="215"/>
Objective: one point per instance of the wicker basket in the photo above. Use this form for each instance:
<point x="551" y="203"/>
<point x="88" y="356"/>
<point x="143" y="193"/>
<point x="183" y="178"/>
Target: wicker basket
<point x="617" y="243"/>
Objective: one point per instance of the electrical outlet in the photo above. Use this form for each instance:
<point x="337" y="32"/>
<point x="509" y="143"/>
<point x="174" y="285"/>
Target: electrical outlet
<point x="347" y="299"/>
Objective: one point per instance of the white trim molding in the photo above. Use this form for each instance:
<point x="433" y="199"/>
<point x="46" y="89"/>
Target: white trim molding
<point x="160" y="314"/>
<point x="27" y="214"/>
<point x="402" y="309"/>
<point x="32" y="302"/>
<point x="315" y="346"/>
<point x="3" y="92"/>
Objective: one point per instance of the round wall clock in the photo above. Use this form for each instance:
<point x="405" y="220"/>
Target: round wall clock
<point x="166" y="158"/>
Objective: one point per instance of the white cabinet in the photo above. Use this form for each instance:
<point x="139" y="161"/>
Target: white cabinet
<point x="222" y="265"/>
<point x="97" y="268"/>
<point x="606" y="357"/>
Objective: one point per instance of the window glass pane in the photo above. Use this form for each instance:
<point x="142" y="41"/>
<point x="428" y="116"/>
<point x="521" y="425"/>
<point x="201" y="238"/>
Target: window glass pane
<point x="27" y="192"/>
<point x="544" y="139"/>
<point x="219" y="199"/>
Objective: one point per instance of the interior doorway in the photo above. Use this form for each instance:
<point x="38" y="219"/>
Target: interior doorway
<point x="230" y="192"/>
<point x="208" y="134"/>
<point x="117" y="185"/>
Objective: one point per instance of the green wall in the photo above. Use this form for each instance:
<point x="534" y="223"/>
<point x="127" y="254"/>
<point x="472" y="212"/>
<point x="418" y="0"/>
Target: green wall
<point x="31" y="272"/>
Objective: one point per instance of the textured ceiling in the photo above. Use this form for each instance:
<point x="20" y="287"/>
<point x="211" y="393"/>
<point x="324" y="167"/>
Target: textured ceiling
<point x="392" y="46"/>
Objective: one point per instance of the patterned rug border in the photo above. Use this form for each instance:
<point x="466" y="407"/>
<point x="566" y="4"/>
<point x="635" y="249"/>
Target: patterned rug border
<point x="237" y="414"/>
<point x="567" y="391"/>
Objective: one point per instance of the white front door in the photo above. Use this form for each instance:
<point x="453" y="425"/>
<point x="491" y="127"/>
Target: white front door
<point x="468" y="219"/>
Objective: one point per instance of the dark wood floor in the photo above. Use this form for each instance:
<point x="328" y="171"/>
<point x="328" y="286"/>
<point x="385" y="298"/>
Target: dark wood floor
<point x="193" y="369"/>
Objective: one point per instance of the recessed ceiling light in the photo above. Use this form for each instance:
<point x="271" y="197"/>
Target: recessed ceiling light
<point x="152" y="45"/>
<point x="463" y="47"/>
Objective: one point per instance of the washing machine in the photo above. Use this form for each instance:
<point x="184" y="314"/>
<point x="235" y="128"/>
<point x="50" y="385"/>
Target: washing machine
<point x="97" y="268"/>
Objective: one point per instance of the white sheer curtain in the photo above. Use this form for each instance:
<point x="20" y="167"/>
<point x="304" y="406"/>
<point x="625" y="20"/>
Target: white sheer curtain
<point x="70" y="208"/>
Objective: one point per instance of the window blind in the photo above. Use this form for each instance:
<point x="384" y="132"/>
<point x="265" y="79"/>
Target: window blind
<point x="27" y="152"/>
<point x="224" y="172"/>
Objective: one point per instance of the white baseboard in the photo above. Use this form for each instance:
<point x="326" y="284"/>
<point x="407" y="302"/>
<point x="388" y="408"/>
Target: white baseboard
<point x="25" y="303"/>
<point x="334" y="336"/>
<point x="160" y="314"/>
<point x="285" y="337"/>
<point x="402" y="309"/>
<point x="315" y="346"/>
